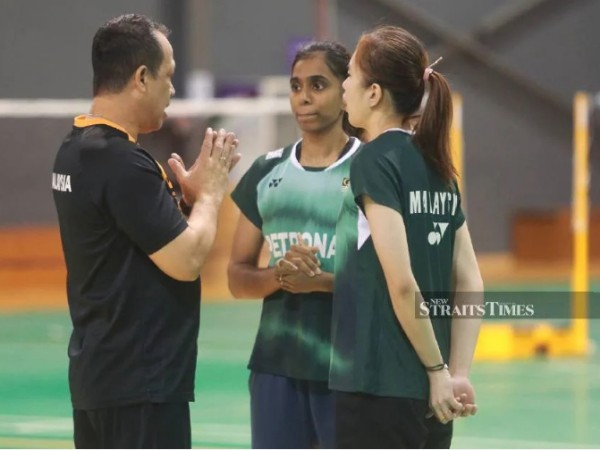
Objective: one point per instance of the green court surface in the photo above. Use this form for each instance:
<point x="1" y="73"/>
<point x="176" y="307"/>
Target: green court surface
<point x="528" y="404"/>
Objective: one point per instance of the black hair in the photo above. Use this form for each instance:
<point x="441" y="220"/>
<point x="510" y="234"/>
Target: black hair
<point x="121" y="46"/>
<point x="337" y="59"/>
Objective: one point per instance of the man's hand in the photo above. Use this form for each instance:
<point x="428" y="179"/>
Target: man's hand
<point x="208" y="176"/>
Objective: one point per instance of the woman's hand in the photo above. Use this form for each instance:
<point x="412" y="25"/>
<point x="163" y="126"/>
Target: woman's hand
<point x="442" y="399"/>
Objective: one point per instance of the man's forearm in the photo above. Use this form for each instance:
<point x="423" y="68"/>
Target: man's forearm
<point x="203" y="223"/>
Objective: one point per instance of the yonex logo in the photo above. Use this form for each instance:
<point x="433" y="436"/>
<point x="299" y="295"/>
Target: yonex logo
<point x="436" y="236"/>
<point x="275" y="182"/>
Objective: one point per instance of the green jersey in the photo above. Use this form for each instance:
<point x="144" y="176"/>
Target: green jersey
<point x="282" y="199"/>
<point x="370" y="351"/>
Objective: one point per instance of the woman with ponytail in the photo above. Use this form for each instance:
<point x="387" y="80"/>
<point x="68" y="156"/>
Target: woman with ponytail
<point x="404" y="259"/>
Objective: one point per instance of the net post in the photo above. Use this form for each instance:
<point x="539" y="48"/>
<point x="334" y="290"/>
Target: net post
<point x="580" y="223"/>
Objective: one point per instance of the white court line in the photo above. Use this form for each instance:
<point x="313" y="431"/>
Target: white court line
<point x="36" y="425"/>
<point x="221" y="433"/>
<point x="14" y="442"/>
<point x="230" y="434"/>
<point x="23" y="427"/>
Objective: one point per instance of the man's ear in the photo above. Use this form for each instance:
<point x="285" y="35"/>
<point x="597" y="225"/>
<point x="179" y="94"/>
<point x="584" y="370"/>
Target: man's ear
<point x="140" y="77"/>
<point x="375" y="93"/>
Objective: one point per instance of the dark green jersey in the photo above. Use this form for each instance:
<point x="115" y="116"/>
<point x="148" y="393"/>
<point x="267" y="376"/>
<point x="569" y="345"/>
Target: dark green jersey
<point x="371" y="353"/>
<point x="283" y="199"/>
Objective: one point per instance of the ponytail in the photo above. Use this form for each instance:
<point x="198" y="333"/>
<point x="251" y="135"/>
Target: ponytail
<point x="432" y="134"/>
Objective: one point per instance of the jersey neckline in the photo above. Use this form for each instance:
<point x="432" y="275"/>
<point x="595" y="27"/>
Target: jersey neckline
<point x="87" y="120"/>
<point x="409" y="132"/>
<point x="294" y="159"/>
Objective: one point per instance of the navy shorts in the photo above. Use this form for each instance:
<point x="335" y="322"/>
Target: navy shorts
<point x="290" y="413"/>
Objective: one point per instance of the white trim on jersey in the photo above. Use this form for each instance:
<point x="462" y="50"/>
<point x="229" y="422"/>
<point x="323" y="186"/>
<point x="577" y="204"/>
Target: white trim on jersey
<point x="364" y="231"/>
<point x="348" y="154"/>
<point x="293" y="158"/>
<point x="409" y="132"/>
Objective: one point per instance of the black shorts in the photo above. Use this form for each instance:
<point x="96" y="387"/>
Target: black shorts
<point x="368" y="421"/>
<point x="146" y="425"/>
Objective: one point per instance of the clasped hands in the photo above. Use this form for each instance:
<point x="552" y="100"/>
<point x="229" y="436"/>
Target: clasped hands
<point x="451" y="396"/>
<point x="299" y="270"/>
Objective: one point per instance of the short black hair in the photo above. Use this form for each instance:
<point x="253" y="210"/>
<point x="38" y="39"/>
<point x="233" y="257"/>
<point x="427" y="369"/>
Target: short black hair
<point x="122" y="45"/>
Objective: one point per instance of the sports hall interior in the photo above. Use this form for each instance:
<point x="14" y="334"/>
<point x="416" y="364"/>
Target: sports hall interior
<point x="525" y="78"/>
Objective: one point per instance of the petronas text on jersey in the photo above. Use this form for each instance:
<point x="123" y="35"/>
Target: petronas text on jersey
<point x="280" y="243"/>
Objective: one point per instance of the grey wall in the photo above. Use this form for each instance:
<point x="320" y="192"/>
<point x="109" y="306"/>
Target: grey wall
<point x="518" y="135"/>
<point x="45" y="45"/>
<point x="518" y="145"/>
<point x="253" y="37"/>
<point x="28" y="150"/>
